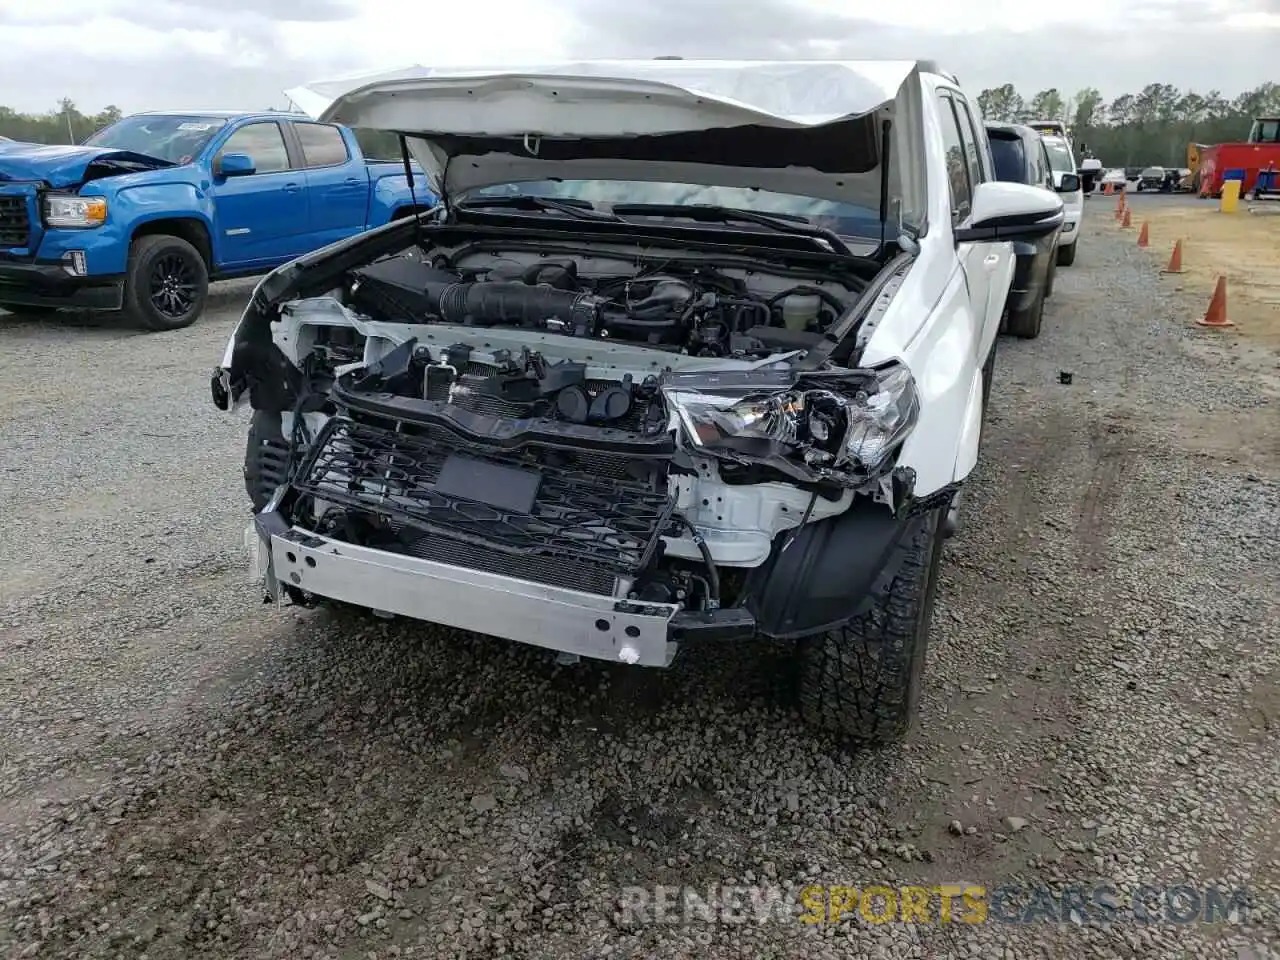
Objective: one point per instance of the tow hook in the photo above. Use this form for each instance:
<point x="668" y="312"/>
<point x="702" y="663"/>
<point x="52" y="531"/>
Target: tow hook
<point x="951" y="522"/>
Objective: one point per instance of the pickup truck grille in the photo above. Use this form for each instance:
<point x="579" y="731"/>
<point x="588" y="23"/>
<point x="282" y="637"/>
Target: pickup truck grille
<point x="585" y="527"/>
<point x="15" y="222"/>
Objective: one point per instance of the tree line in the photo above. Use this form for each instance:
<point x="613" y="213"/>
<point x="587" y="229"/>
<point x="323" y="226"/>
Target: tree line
<point x="1151" y="128"/>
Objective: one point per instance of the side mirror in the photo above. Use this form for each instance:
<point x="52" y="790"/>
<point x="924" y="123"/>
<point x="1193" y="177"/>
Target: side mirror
<point x="1011" y="211"/>
<point x="1069" y="183"/>
<point x="235" y="165"/>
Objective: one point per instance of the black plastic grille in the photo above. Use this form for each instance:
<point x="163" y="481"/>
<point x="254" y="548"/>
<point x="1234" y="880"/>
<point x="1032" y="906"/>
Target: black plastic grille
<point x="15" y="222"/>
<point x="472" y="376"/>
<point x="609" y="524"/>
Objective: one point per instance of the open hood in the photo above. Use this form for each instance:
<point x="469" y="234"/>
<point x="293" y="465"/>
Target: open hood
<point x="61" y="166"/>
<point x="802" y="127"/>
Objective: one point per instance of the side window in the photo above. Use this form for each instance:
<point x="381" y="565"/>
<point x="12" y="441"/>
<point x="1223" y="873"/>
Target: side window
<point x="957" y="164"/>
<point x="1046" y="168"/>
<point x="978" y="167"/>
<point x="322" y="144"/>
<point x="263" y="142"/>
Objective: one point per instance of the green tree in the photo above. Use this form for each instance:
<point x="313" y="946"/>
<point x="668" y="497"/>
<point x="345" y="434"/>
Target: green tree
<point x="1001" y="104"/>
<point x="1047" y="105"/>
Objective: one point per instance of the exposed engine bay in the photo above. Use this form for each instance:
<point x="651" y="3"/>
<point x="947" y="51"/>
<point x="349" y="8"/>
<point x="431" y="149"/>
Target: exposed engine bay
<point x="685" y="308"/>
<point x="630" y="423"/>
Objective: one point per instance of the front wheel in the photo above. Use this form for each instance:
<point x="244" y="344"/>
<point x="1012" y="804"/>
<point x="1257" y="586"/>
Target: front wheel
<point x="862" y="681"/>
<point x="1025" y="324"/>
<point x="166" y="284"/>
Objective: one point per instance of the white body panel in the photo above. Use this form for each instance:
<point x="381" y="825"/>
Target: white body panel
<point x="940" y="319"/>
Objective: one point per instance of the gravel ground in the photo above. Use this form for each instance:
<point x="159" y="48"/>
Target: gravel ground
<point x="188" y="771"/>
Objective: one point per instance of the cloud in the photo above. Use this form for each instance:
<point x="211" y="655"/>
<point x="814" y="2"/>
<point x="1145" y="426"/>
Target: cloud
<point x="169" y="54"/>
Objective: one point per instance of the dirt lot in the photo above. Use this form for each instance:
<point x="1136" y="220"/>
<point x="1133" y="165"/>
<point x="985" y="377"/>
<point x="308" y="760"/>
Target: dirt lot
<point x="1244" y="247"/>
<point x="188" y="772"/>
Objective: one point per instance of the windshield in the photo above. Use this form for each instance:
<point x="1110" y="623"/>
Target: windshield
<point x="1060" y="159"/>
<point x="173" y="138"/>
<point x="1010" y="161"/>
<point x="845" y="219"/>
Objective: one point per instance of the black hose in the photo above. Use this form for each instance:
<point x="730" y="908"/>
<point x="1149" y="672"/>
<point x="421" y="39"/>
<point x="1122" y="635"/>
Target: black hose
<point x="713" y="575"/>
<point x="830" y="299"/>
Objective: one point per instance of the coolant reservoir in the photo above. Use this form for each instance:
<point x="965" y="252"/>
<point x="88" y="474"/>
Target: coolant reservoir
<point x="800" y="310"/>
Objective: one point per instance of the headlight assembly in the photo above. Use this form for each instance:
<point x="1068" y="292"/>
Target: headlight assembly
<point x="850" y="421"/>
<point x="75" y="212"/>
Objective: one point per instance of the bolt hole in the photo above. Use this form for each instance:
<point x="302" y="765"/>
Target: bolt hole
<point x="311" y="561"/>
<point x="291" y="558"/>
<point x="602" y="625"/>
<point x="632" y="631"/>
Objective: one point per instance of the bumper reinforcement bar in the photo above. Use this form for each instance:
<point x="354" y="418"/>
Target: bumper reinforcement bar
<point x="557" y="618"/>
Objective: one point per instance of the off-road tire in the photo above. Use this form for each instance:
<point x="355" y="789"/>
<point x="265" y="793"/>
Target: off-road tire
<point x="266" y="458"/>
<point x="1067" y="255"/>
<point x="149" y="258"/>
<point x="1026" y="324"/>
<point x="21" y="308"/>
<point x="988" y="378"/>
<point x="862" y="681"/>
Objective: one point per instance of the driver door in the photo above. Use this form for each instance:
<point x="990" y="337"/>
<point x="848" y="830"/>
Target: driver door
<point x="260" y="219"/>
<point x="988" y="267"/>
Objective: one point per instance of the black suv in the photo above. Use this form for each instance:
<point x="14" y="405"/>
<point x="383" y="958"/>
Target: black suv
<point x="1020" y="157"/>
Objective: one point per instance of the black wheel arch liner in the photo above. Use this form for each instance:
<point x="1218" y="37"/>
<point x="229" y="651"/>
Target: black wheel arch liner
<point x="822" y="575"/>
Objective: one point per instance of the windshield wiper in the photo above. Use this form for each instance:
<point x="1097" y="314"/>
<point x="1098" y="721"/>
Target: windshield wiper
<point x="582" y="209"/>
<point x="782" y="222"/>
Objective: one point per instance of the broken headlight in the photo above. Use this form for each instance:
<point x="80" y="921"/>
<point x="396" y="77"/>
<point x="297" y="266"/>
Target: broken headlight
<point x="852" y="422"/>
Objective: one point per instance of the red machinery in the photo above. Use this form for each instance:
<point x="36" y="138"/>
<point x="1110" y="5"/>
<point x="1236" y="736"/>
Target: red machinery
<point x="1244" y="161"/>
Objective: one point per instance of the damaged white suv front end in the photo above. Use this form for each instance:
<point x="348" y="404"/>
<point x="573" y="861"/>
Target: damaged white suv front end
<point x="674" y="362"/>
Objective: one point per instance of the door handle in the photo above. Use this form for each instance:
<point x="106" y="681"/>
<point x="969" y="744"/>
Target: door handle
<point x="991" y="260"/>
<point x="290" y="188"/>
<point x="353" y="180"/>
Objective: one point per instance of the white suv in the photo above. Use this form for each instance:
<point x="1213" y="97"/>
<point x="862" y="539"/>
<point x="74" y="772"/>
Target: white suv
<point x="1063" y="161"/>
<point x="688" y="352"/>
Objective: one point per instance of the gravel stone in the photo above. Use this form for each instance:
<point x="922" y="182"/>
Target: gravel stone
<point x="190" y="772"/>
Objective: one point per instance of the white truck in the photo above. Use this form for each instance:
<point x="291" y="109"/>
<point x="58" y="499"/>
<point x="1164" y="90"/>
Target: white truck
<point x="689" y="352"/>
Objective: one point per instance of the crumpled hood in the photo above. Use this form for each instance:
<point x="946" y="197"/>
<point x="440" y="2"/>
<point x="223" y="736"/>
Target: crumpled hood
<point x="662" y="120"/>
<point x="62" y="165"/>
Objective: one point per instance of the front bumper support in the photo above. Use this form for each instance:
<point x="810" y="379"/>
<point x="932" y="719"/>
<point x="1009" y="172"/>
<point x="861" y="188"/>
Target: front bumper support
<point x="568" y="621"/>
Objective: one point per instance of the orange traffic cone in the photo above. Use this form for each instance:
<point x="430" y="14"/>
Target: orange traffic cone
<point x="1128" y="218"/>
<point x="1175" y="259"/>
<point x="1144" y="238"/>
<point x="1216" y="315"/>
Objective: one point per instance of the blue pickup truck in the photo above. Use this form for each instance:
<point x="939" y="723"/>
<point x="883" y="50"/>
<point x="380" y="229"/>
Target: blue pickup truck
<point x="142" y="215"/>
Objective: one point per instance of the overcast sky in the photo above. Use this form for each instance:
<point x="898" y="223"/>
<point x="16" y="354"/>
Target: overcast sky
<point x="239" y="54"/>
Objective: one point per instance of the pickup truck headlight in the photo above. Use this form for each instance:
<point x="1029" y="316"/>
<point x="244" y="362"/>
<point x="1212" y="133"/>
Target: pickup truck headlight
<point x="851" y="424"/>
<point x="75" y="212"/>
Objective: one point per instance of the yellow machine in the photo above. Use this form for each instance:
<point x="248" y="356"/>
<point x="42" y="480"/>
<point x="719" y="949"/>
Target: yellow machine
<point x="1193" y="157"/>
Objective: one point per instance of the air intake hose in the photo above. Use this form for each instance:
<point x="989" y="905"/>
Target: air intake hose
<point x="511" y="303"/>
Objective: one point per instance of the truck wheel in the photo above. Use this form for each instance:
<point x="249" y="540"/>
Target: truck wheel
<point x="862" y="681"/>
<point x="266" y="458"/>
<point x="166" y="284"/>
<point x="988" y="380"/>
<point x="1026" y="324"/>
<point x="1067" y="255"/>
